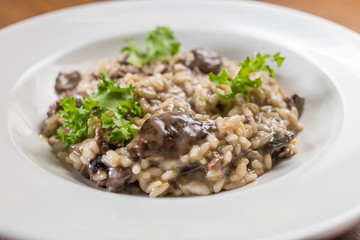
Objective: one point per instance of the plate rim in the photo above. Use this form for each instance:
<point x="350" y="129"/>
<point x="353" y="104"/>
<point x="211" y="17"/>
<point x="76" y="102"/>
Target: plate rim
<point x="352" y="216"/>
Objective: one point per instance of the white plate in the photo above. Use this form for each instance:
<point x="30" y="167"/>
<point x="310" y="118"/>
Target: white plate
<point x="314" y="194"/>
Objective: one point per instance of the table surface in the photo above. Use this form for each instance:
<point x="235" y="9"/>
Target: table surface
<point x="344" y="12"/>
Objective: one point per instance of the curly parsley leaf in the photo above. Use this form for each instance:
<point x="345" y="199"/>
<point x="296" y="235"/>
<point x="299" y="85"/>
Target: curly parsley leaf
<point x="75" y="121"/>
<point x="159" y="43"/>
<point x="136" y="56"/>
<point x="109" y="95"/>
<point x="131" y="105"/>
<point x="222" y="78"/>
<point x="121" y="128"/>
<point x="241" y="82"/>
<point x="107" y="99"/>
<point x="279" y="60"/>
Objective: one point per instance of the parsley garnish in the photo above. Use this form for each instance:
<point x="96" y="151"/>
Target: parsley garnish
<point x="75" y="120"/>
<point x="159" y="43"/>
<point x="241" y="81"/>
<point x="201" y="99"/>
<point x="279" y="60"/>
<point x="109" y="103"/>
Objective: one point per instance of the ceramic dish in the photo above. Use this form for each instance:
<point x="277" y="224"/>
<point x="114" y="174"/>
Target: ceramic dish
<point x="312" y="195"/>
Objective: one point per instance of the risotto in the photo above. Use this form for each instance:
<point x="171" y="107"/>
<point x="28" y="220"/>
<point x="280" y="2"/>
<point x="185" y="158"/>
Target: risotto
<point x="173" y="123"/>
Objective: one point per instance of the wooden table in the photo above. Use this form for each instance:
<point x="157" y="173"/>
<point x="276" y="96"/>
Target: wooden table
<point x="344" y="12"/>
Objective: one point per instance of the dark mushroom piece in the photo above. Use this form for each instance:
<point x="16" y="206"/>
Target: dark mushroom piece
<point x="207" y="61"/>
<point x="117" y="178"/>
<point x="96" y="165"/>
<point x="170" y="134"/>
<point x="84" y="171"/>
<point x="67" y="81"/>
<point x="101" y="140"/>
<point x="54" y="108"/>
<point x="278" y="141"/>
<point x="218" y="161"/>
<point x="299" y="103"/>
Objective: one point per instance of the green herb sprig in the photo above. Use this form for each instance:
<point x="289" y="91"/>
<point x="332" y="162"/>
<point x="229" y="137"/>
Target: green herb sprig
<point x="159" y="43"/>
<point x="109" y="103"/>
<point x="241" y="82"/>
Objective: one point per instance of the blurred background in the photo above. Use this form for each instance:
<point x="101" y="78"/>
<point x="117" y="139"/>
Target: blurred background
<point x="344" y="12"/>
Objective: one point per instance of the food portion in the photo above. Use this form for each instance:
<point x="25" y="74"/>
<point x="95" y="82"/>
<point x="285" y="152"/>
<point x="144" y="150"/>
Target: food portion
<point x="166" y="122"/>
